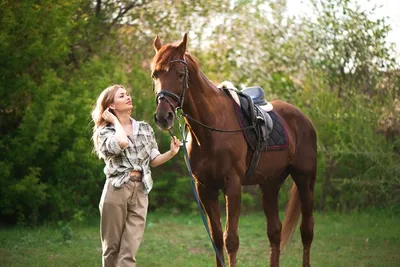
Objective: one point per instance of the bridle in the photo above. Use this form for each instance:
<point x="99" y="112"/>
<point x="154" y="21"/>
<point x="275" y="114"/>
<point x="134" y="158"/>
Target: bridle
<point x="179" y="99"/>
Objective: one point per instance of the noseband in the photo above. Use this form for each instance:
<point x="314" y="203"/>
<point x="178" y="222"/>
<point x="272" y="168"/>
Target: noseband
<point x="179" y="99"/>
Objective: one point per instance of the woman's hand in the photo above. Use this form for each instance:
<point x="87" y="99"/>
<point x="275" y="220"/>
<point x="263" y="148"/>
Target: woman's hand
<point x="109" y="117"/>
<point x="175" y="145"/>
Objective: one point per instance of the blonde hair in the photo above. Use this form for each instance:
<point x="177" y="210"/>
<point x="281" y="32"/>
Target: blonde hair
<point x="105" y="99"/>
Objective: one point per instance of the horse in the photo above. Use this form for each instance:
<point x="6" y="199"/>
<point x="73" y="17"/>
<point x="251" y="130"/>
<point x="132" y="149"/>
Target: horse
<point x="219" y="160"/>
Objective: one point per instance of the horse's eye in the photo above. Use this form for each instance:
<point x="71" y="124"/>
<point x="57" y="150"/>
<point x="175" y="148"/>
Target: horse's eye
<point x="181" y="74"/>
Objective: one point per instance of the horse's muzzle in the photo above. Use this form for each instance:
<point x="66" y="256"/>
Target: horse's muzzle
<point x="164" y="120"/>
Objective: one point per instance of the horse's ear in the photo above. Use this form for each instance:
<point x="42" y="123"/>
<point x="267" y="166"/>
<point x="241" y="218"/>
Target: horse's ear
<point x="182" y="45"/>
<point x="157" y="44"/>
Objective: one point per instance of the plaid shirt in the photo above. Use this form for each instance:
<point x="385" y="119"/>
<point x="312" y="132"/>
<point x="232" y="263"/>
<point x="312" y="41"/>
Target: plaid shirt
<point x="136" y="157"/>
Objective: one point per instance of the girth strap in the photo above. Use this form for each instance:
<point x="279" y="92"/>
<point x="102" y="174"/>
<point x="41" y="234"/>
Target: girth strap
<point x="254" y="161"/>
<point x="256" y="155"/>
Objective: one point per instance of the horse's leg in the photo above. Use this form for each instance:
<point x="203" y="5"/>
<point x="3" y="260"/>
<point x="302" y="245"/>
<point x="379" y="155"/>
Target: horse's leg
<point x="305" y="185"/>
<point x="270" y="189"/>
<point x="233" y="195"/>
<point x="209" y="199"/>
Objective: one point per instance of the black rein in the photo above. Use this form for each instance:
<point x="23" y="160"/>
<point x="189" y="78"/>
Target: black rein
<point x="179" y="99"/>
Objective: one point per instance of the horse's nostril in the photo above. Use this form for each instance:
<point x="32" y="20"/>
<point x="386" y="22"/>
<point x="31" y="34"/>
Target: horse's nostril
<point x="155" y="117"/>
<point x="170" y="115"/>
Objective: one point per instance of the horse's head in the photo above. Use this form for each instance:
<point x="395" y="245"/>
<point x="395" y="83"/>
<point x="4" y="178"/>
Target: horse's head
<point x="170" y="78"/>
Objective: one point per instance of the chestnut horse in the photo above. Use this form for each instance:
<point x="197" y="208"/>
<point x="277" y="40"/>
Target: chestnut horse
<point x="219" y="160"/>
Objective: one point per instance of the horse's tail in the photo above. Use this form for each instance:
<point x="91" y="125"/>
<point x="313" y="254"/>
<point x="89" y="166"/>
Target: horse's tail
<point x="292" y="215"/>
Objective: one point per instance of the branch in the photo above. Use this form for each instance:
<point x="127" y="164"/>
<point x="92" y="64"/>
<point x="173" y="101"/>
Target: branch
<point x="123" y="11"/>
<point x="98" y="7"/>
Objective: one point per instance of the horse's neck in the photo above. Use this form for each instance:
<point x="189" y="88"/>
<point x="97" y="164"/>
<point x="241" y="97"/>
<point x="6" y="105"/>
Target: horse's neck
<point x="202" y="94"/>
<point x="205" y="103"/>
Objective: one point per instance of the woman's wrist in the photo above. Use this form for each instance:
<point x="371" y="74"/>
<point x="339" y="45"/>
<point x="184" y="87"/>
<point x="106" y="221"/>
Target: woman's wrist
<point x="116" y="122"/>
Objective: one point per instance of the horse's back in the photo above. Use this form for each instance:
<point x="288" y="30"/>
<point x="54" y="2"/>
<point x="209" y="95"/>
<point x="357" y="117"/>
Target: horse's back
<point x="292" y="115"/>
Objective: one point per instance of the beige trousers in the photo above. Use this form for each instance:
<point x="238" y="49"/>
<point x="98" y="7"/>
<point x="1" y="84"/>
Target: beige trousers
<point x="123" y="214"/>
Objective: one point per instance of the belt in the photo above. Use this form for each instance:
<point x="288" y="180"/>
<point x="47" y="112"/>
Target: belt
<point x="135" y="176"/>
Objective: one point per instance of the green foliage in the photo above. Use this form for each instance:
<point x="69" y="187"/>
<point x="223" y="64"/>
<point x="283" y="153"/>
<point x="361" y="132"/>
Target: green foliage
<point x="348" y="45"/>
<point x="248" y="202"/>
<point x="29" y="194"/>
<point x="30" y="46"/>
<point x="357" y="165"/>
<point x="65" y="231"/>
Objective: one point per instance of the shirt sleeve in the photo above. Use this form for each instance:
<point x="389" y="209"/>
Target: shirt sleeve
<point x="154" y="152"/>
<point x="108" y="145"/>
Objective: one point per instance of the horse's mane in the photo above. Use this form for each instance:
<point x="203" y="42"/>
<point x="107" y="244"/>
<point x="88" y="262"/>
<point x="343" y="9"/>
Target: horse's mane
<point x="167" y="53"/>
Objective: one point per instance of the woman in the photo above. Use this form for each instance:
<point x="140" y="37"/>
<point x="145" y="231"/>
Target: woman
<point x="128" y="148"/>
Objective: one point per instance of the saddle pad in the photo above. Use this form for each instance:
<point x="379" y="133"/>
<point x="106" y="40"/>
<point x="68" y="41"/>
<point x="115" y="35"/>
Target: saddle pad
<point x="277" y="139"/>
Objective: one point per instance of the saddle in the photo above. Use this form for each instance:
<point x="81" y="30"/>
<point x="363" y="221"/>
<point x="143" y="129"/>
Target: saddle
<point x="252" y="109"/>
<point x="255" y="107"/>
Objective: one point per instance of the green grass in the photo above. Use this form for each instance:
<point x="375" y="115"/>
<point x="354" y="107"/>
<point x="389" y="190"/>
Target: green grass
<point x="362" y="239"/>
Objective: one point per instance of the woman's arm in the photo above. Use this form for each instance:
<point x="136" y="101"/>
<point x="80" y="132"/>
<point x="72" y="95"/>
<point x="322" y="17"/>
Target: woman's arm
<point x="162" y="158"/>
<point x="120" y="134"/>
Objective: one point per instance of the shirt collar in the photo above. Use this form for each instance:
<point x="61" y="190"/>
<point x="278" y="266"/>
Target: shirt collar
<point x="135" y="127"/>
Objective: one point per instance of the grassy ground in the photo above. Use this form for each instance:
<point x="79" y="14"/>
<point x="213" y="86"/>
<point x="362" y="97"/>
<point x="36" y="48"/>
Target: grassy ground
<point x="366" y="239"/>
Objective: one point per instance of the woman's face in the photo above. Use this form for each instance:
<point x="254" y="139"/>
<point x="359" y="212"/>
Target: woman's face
<point x="122" y="101"/>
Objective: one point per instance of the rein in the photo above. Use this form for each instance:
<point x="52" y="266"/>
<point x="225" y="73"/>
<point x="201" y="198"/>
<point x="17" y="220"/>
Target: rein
<point x="216" y="129"/>
<point x="180" y="99"/>
<point x="193" y="181"/>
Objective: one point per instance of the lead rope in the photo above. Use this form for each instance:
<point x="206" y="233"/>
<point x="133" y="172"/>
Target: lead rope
<point x="202" y="213"/>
